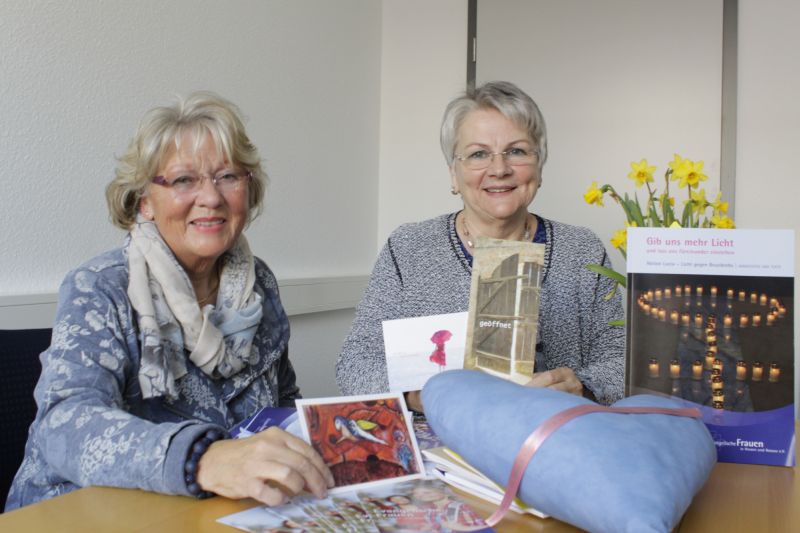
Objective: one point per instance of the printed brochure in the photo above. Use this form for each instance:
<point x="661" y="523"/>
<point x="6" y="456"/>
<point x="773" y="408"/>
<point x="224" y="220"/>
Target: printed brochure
<point x="710" y="322"/>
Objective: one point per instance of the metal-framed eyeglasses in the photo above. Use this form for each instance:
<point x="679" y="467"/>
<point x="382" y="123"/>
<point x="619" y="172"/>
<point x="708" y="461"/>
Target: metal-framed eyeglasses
<point x="189" y="183"/>
<point x="480" y="159"/>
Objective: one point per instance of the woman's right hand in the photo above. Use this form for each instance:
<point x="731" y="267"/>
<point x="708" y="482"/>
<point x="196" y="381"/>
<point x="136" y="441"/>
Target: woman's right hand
<point x="414" y="401"/>
<point x="562" y="379"/>
<point x="270" y="466"/>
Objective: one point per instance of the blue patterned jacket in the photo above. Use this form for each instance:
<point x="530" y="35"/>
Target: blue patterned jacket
<point x="94" y="428"/>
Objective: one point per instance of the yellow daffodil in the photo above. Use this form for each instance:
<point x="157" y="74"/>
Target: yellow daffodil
<point x="690" y="173"/>
<point x="698" y="199"/>
<point x="658" y="208"/>
<point x="698" y="196"/>
<point x="641" y="172"/>
<point x="722" y="222"/>
<point x="620" y="238"/>
<point x="594" y="195"/>
<point x="719" y="206"/>
<point x="675" y="164"/>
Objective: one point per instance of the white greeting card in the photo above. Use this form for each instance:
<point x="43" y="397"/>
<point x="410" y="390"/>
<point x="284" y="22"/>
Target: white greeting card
<point x="421" y="347"/>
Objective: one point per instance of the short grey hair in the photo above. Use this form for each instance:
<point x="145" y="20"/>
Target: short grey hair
<point x="503" y="96"/>
<point x="198" y="115"/>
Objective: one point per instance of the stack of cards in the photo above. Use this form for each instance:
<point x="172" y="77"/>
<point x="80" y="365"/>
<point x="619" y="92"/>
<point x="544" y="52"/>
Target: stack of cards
<point x="410" y="506"/>
<point x="426" y="438"/>
<point x="283" y="417"/>
<point x="369" y="444"/>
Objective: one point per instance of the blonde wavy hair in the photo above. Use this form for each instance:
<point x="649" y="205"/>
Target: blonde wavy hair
<point x="162" y="128"/>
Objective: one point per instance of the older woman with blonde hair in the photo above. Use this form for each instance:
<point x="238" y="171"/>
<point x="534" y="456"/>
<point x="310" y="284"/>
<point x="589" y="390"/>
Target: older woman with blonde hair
<point x="494" y="141"/>
<point x="161" y="345"/>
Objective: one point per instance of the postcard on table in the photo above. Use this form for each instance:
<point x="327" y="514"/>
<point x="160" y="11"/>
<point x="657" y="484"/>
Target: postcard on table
<point x="363" y="439"/>
<point x="420" y="506"/>
<point x="261" y="520"/>
<point x="421" y="347"/>
<point x="306" y="514"/>
<point x="325" y="513"/>
<point x="349" y="506"/>
<point x="283" y="417"/>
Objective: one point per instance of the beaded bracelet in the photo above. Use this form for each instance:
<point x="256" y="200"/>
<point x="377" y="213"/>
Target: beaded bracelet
<point x="196" y="451"/>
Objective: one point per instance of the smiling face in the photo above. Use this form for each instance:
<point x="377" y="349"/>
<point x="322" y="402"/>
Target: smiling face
<point x="201" y="226"/>
<point x="500" y="192"/>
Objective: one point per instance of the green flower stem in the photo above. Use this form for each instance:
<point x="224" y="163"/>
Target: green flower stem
<point x="655" y="221"/>
<point x="613" y="275"/>
<point x="623" y="202"/>
<point x="609" y="273"/>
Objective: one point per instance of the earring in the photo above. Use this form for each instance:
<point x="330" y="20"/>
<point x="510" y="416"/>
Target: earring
<point x="453" y="191"/>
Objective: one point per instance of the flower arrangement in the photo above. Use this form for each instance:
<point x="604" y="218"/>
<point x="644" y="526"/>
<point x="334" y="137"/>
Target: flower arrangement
<point x="659" y="209"/>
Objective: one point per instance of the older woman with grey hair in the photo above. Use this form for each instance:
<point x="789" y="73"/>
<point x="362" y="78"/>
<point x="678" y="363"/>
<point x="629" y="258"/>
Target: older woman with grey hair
<point x="494" y="140"/>
<point x="161" y="345"/>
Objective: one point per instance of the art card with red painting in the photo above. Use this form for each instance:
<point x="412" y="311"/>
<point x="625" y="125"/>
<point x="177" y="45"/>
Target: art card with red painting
<point x="364" y="440"/>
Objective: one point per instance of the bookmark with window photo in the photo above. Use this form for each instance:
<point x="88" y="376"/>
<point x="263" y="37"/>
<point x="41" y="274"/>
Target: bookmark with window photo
<point x="364" y="440"/>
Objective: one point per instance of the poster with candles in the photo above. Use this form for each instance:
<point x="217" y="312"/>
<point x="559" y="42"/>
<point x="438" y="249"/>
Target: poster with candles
<point x="710" y="323"/>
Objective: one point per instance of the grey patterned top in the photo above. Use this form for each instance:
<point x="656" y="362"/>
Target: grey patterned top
<point x="92" y="425"/>
<point x="422" y="271"/>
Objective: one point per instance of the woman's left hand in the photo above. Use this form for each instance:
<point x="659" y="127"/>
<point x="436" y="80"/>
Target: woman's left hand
<point x="562" y="378"/>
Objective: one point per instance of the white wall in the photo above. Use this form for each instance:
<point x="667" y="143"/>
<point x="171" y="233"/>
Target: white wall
<point x="423" y="67"/>
<point x="617" y="81"/>
<point x="76" y="77"/>
<point x="767" y="182"/>
<point x="315" y="343"/>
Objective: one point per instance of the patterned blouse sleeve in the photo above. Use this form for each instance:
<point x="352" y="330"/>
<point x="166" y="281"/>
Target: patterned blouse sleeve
<point x="83" y="428"/>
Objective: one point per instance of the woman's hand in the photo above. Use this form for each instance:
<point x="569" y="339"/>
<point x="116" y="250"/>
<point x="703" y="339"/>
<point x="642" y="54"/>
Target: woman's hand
<point x="270" y="467"/>
<point x="414" y="401"/>
<point x="562" y="378"/>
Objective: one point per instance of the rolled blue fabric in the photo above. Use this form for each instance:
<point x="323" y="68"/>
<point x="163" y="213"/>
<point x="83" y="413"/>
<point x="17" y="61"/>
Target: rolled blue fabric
<point x="600" y="472"/>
